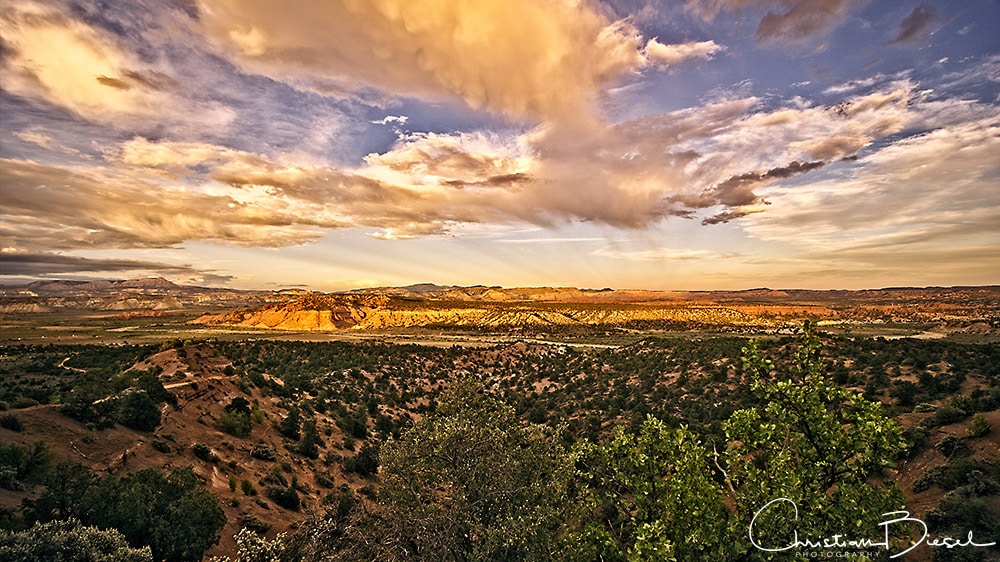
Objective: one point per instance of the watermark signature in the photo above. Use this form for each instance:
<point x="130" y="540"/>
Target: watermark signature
<point x="841" y="541"/>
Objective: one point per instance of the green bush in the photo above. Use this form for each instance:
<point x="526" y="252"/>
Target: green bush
<point x="69" y="540"/>
<point x="172" y="514"/>
<point x="254" y="523"/>
<point x="24" y="463"/>
<point x="236" y="424"/>
<point x="247" y="488"/>
<point x="287" y="498"/>
<point x="204" y="452"/>
<point x="10" y="421"/>
<point x="953" y="447"/>
<point x="138" y="411"/>
<point x="978" y="426"/>
<point x="263" y="451"/>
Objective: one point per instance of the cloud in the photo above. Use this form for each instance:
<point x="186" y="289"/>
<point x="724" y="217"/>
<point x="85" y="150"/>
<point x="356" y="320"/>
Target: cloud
<point x="671" y="55"/>
<point x="401" y="119"/>
<point x="33" y="264"/>
<point x="63" y="208"/>
<point x="913" y="26"/>
<point x="51" y="56"/>
<point x="45" y="141"/>
<point x="518" y="57"/>
<point x="796" y="21"/>
<point x="928" y="201"/>
<point x="710" y="163"/>
<point x="657" y="254"/>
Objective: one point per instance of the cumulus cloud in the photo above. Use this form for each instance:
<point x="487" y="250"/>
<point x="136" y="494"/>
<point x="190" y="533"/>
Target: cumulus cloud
<point x="794" y="21"/>
<point x="914" y="25"/>
<point x="670" y="55"/>
<point x="53" y="57"/>
<point x="518" y="57"/>
<point x="710" y="163"/>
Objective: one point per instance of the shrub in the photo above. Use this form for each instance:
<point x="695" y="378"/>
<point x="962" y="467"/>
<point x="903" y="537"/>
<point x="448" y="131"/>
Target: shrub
<point x="254" y="524"/>
<point x="366" y="461"/>
<point x="247" y="488"/>
<point x="287" y="498"/>
<point x="23" y="463"/>
<point x="928" y="479"/>
<point x="23" y="402"/>
<point x="236" y="424"/>
<point x="263" y="451"/>
<point x="309" y="446"/>
<point x="205" y="453"/>
<point x="138" y="411"/>
<point x="289" y="427"/>
<point x="953" y="447"/>
<point x="69" y="540"/>
<point x="978" y="426"/>
<point x="10" y="421"/>
<point x="963" y="403"/>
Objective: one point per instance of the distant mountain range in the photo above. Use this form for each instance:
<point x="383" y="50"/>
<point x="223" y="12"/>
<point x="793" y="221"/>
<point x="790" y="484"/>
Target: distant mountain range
<point x="103" y="285"/>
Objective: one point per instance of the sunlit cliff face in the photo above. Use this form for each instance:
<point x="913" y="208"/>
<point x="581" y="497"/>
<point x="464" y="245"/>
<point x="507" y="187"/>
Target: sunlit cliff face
<point x="711" y="144"/>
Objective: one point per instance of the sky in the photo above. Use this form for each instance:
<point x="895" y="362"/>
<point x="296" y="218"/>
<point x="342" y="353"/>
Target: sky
<point x="329" y="145"/>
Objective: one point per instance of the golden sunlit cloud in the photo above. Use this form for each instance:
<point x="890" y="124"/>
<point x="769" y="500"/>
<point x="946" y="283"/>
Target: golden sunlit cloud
<point x="518" y="57"/>
<point x="713" y="162"/>
<point x="54" y="57"/>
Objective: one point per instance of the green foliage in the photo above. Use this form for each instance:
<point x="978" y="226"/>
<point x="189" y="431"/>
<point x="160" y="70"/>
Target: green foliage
<point x="172" y="514"/>
<point x="21" y="464"/>
<point x="254" y="523"/>
<point x="367" y="459"/>
<point x="652" y="496"/>
<point x="69" y="541"/>
<point x="471" y="482"/>
<point x="309" y="446"/>
<point x="815" y="443"/>
<point x="204" y="452"/>
<point x="978" y="426"/>
<point x="247" y="488"/>
<point x="236" y="424"/>
<point x="291" y="424"/>
<point x="287" y="498"/>
<point x="263" y="451"/>
<point x="953" y="447"/>
<point x="64" y="492"/>
<point x="138" y="411"/>
<point x="10" y="421"/>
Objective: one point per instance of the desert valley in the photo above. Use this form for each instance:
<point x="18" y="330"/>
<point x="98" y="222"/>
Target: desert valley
<point x="289" y="410"/>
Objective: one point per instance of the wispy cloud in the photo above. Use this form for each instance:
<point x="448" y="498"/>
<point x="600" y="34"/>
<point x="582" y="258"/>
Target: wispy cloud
<point x="916" y="24"/>
<point x="30" y="264"/>
<point x="658" y="254"/>
<point x="797" y="21"/>
<point x="932" y="194"/>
